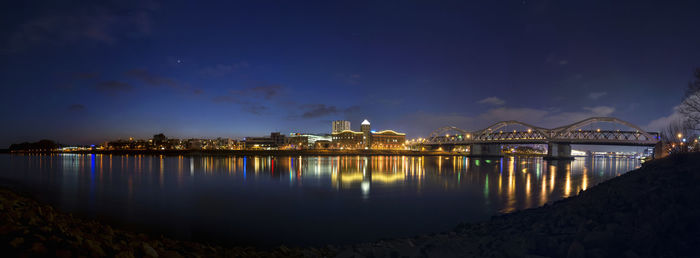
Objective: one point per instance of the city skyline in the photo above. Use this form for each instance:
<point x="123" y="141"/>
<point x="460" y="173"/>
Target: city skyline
<point x="114" y="70"/>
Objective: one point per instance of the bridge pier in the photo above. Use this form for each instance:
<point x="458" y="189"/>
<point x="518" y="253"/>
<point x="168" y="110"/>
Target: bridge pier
<point x="660" y="150"/>
<point x="558" y="151"/>
<point x="485" y="150"/>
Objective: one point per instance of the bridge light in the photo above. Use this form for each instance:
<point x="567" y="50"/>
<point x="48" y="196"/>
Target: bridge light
<point x="529" y="130"/>
<point x="597" y="130"/>
<point x="513" y="131"/>
<point x="447" y="135"/>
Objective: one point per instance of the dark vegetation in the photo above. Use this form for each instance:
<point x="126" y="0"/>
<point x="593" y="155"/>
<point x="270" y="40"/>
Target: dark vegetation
<point x="40" y="146"/>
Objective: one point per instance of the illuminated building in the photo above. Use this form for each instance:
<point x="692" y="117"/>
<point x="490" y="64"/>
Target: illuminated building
<point x="311" y="139"/>
<point x="322" y="144"/>
<point x="367" y="133"/>
<point x="348" y="140"/>
<point x="194" y="144"/>
<point x="340" y="125"/>
<point x="388" y="139"/>
<point x="274" y="141"/>
<point x="367" y="139"/>
<point x="159" y="139"/>
<point x="298" y="142"/>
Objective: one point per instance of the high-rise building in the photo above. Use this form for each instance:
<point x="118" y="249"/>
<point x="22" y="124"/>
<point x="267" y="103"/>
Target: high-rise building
<point x="367" y="133"/>
<point x="340" y="125"/>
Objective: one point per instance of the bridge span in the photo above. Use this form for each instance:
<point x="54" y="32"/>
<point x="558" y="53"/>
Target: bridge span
<point x="488" y="141"/>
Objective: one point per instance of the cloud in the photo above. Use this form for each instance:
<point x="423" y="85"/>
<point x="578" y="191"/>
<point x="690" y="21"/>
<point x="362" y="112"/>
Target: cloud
<point x="89" y="22"/>
<point x="86" y="76"/>
<point x="556" y="119"/>
<point x="504" y="114"/>
<point x="247" y="106"/>
<point x="321" y="110"/>
<point x="223" y="69"/>
<point x="661" y="123"/>
<point x="76" y="107"/>
<point x="254" y="108"/>
<point x="225" y="99"/>
<point x="146" y="77"/>
<point x="318" y="110"/>
<point x="265" y="91"/>
<point x="250" y="99"/>
<point x="597" y="95"/>
<point x="492" y="101"/>
<point x="113" y="86"/>
<point x="351" y="79"/>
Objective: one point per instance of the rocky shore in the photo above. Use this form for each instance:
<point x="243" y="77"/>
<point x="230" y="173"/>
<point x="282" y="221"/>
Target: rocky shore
<point x="30" y="228"/>
<point x="650" y="212"/>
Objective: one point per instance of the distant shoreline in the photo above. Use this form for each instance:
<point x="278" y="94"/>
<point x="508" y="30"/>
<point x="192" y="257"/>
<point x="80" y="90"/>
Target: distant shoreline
<point x="265" y="152"/>
<point x="281" y="153"/>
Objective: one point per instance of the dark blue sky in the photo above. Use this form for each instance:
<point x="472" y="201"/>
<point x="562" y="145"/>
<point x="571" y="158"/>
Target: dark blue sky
<point x="84" y="72"/>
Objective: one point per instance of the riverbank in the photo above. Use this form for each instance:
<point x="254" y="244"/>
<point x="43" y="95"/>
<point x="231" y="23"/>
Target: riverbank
<point x="649" y="212"/>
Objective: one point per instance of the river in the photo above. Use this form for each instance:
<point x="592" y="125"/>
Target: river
<point x="301" y="200"/>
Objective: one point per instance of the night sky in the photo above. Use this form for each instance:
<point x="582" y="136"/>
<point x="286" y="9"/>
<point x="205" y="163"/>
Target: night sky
<point x="85" y="72"/>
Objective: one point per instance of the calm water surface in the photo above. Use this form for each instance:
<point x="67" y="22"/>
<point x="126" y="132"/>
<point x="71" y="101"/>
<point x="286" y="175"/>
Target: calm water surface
<point x="305" y="200"/>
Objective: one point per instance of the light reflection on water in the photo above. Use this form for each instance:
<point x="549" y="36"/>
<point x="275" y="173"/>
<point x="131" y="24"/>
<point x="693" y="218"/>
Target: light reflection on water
<point x="266" y="200"/>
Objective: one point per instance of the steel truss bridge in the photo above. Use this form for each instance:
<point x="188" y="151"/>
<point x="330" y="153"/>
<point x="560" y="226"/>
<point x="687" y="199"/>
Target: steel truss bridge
<point x="558" y="139"/>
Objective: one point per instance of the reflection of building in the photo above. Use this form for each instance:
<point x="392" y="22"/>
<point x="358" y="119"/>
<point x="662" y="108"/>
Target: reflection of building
<point x="366" y="138"/>
<point x="348" y="140"/>
<point x="340" y="125"/>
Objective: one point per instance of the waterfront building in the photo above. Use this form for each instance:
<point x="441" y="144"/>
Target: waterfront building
<point x="340" y="125"/>
<point x="348" y="140"/>
<point x="368" y="139"/>
<point x="298" y="141"/>
<point x="366" y="130"/>
<point x="388" y="139"/>
<point x="159" y="139"/>
<point x="275" y="140"/>
<point x="310" y="139"/>
<point x="194" y="144"/>
<point x="322" y="144"/>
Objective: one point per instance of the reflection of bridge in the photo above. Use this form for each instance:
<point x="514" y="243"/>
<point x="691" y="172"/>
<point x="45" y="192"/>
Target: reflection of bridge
<point x="487" y="142"/>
